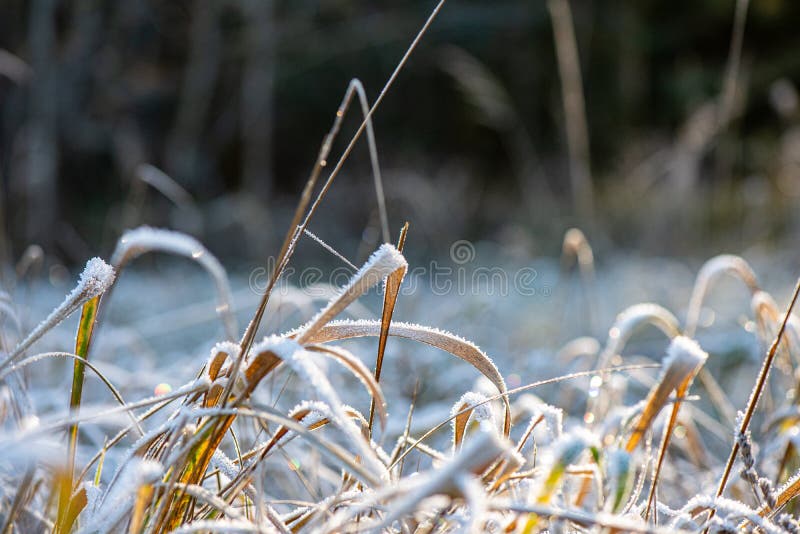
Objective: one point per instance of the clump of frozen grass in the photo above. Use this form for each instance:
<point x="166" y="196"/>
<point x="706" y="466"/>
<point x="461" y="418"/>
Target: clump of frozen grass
<point x="575" y="472"/>
<point x="224" y="454"/>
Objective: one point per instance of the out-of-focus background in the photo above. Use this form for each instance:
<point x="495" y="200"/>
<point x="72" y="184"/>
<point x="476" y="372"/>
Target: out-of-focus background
<point x="665" y="127"/>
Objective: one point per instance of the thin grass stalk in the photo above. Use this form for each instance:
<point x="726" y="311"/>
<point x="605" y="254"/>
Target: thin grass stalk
<point x="569" y="70"/>
<point x="286" y="249"/>
<point x="756" y="394"/>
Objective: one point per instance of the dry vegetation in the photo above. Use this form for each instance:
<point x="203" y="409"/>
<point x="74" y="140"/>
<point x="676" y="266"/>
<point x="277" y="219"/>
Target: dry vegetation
<point x="212" y="456"/>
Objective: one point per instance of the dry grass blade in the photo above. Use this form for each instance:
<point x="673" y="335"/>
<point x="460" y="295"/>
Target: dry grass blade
<point x="710" y="272"/>
<point x="161" y="181"/>
<point x="360" y="371"/>
<point x="457" y="346"/>
<point x="627" y="323"/>
<point x="390" y="294"/>
<point x="576" y="247"/>
<point x="684" y="353"/>
<point x="785" y="493"/>
<point x="134" y="243"/>
<point x="303" y="206"/>
<point x="381" y="264"/>
<point x="471" y="407"/>
<point x="569" y="70"/>
<point x="684" y="358"/>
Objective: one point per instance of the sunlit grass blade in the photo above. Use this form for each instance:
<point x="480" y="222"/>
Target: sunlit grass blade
<point x="82" y="341"/>
<point x="455" y="345"/>
<point x="683" y="360"/>
<point x="390" y="294"/>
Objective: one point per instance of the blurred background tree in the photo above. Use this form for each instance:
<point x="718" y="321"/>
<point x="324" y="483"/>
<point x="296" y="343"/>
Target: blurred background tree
<point x="206" y="115"/>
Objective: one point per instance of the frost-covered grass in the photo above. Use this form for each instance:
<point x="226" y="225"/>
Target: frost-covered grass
<point x="352" y="409"/>
<point x="279" y="437"/>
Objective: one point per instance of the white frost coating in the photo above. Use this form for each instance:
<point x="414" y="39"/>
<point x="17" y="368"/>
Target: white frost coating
<point x="381" y="264"/>
<point x="728" y="509"/>
<point x="442" y="339"/>
<point x="552" y="417"/>
<point x="96" y="277"/>
<point x="144" y="239"/>
<point x="567" y="448"/>
<point x="93" y="494"/>
<point x="222" y="526"/>
<point x="299" y="360"/>
<point x="227" y="347"/>
<point x="224" y="464"/>
<point x="283" y="347"/>
<point x="684" y="352"/>
<point x="120" y="496"/>
<point x="482" y="411"/>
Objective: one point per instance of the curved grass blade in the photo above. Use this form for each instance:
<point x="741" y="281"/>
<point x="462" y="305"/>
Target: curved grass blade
<point x="455" y="345"/>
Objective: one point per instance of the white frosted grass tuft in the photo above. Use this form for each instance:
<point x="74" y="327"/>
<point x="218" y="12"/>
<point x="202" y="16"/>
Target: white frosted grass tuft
<point x="134" y="243"/>
<point x="684" y="352"/>
<point x="95" y="279"/>
<point x="476" y="456"/>
<point x="119" y="498"/>
<point x="728" y="509"/>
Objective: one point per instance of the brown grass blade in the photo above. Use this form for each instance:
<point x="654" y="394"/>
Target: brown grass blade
<point x="455" y="345"/>
<point x="684" y="358"/>
<point x="688" y="355"/>
<point x="381" y="264"/>
<point x="391" y="292"/>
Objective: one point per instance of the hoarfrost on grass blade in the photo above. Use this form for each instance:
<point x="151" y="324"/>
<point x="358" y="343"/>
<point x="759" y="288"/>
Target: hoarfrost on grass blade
<point x="383" y="262"/>
<point x="135" y="242"/>
<point x="119" y="498"/>
<point x="95" y="279"/>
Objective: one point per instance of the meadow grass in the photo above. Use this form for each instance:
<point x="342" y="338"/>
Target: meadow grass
<point x="219" y="454"/>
